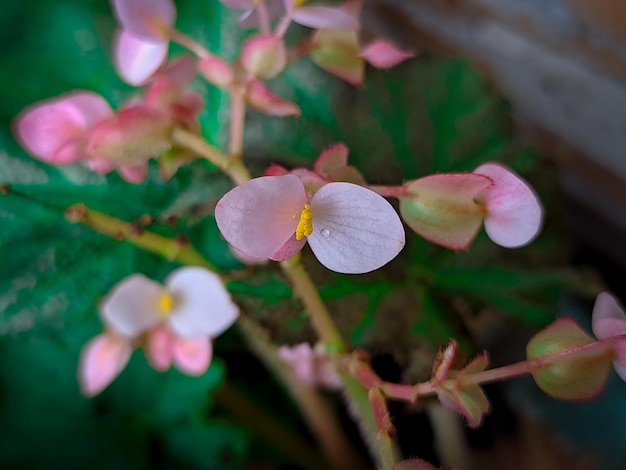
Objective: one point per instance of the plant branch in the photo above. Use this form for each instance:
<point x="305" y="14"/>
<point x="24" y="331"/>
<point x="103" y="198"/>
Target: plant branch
<point x="172" y="249"/>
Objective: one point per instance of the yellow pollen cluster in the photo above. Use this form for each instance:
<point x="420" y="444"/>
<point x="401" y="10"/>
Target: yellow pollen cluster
<point x="166" y="302"/>
<point x="305" y="226"/>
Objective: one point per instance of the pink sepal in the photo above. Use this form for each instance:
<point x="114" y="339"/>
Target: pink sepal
<point x="192" y="356"/>
<point x="384" y="55"/>
<point x="158" y="348"/>
<point x="331" y="160"/>
<point x="262" y="99"/>
<point x="217" y="71"/>
<point x="134" y="173"/>
<point x="102" y="359"/>
<point x="275" y="170"/>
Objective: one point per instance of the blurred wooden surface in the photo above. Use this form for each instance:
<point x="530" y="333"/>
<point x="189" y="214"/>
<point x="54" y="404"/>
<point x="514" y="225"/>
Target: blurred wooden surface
<point x="562" y="63"/>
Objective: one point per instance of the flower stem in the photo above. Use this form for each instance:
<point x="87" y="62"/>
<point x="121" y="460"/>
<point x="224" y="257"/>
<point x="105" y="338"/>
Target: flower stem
<point x="315" y="411"/>
<point x="189" y="43"/>
<point x="237" y="123"/>
<point x="173" y="249"/>
<point x="272" y="430"/>
<point x="264" y="19"/>
<point x="232" y="167"/>
<point x="314" y="305"/>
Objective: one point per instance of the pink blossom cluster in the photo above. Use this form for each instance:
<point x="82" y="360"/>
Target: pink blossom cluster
<point x="174" y="323"/>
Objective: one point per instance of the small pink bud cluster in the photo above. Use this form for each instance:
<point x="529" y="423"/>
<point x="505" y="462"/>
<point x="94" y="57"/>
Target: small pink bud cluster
<point x="310" y="365"/>
<point x="174" y="323"/>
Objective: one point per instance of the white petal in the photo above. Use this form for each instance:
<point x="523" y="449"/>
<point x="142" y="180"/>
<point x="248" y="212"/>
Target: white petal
<point x="137" y="60"/>
<point x="132" y="305"/>
<point x="354" y="229"/>
<point x="202" y="306"/>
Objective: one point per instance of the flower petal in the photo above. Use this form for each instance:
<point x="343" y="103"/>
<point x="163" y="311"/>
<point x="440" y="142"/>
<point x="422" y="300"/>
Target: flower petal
<point x="441" y="208"/>
<point x="290" y="248"/>
<point x="259" y="216"/>
<point x="102" y="359"/>
<point x="134" y="173"/>
<point x="332" y="159"/>
<point x="53" y="130"/>
<point x="384" y="55"/>
<point x="159" y="348"/>
<point x="132" y="305"/>
<point x="136" y="60"/>
<point x="514" y="213"/>
<point x="354" y="229"/>
<point x="321" y="17"/>
<point x="193" y="355"/>
<point x="150" y="20"/>
<point x="606" y="307"/>
<point x="202" y="306"/>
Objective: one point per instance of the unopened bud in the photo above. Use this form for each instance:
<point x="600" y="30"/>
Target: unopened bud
<point x="264" y="56"/>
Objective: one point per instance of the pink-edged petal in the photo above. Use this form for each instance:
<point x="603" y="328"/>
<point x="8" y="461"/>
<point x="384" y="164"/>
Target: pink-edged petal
<point x="514" y="214"/>
<point x="442" y="208"/>
<point x="159" y="348"/>
<point x="134" y="173"/>
<point x="355" y="230"/>
<point x="312" y="181"/>
<point x="100" y="166"/>
<point x="150" y="20"/>
<point x="275" y="170"/>
<point x="102" y="359"/>
<point x="259" y="216"/>
<point x="262" y="99"/>
<point x="290" y="248"/>
<point x="53" y="130"/>
<point x="337" y="52"/>
<point x="137" y="60"/>
<point x="384" y="55"/>
<point x="321" y="17"/>
<point x="246" y="259"/>
<point x="202" y="306"/>
<point x="607" y="306"/>
<point x="301" y="361"/>
<point x="193" y="355"/>
<point x="331" y="160"/>
<point x="132" y="306"/>
<point x="216" y="70"/>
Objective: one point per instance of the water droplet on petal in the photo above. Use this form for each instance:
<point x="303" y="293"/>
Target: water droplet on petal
<point x="324" y="232"/>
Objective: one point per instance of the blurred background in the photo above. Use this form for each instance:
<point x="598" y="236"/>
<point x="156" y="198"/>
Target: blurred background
<point x="537" y="84"/>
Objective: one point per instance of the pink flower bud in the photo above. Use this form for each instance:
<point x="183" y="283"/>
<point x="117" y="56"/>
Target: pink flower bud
<point x="264" y="57"/>
<point x="384" y="55"/>
<point x="132" y="136"/>
<point x="262" y="99"/>
<point x="217" y="71"/>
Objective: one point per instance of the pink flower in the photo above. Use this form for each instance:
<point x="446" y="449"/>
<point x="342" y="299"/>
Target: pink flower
<point x="383" y="54"/>
<point x="310" y="365"/>
<point x="350" y="229"/>
<point x="608" y="319"/>
<point x="141" y="47"/>
<point x="56" y="130"/>
<point x="179" y="320"/>
<point x="449" y="208"/>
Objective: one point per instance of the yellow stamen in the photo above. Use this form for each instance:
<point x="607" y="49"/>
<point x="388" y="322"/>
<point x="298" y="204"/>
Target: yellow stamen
<point x="298" y="3"/>
<point x="166" y="303"/>
<point x="305" y="225"/>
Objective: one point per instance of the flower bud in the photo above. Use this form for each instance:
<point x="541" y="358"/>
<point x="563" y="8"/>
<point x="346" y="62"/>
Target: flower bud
<point x="217" y="71"/>
<point x="578" y="376"/>
<point x="264" y="56"/>
<point x="261" y="98"/>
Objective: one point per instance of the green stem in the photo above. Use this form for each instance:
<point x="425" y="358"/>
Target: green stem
<point x="266" y="425"/>
<point x="233" y="167"/>
<point x="172" y="249"/>
<point x="314" y="305"/>
<point x="237" y="123"/>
